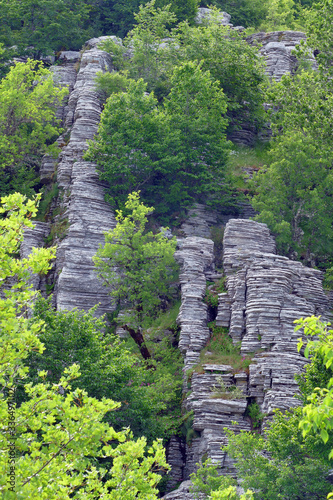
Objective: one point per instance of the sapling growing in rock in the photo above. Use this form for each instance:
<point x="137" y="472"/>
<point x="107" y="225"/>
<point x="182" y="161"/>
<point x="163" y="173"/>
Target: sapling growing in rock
<point x="138" y="266"/>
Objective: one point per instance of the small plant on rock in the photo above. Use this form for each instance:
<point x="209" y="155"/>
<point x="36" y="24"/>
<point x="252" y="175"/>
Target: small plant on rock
<point x="226" y="392"/>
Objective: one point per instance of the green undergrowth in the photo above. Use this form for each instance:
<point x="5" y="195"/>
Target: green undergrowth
<point x="213" y="289"/>
<point x="220" y="350"/>
<point x="220" y="390"/>
<point x="46" y="201"/>
<point x="243" y="158"/>
<point x="166" y="320"/>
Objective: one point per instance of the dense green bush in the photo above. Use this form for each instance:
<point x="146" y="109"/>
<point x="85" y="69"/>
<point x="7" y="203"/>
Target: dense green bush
<point x="110" y="368"/>
<point x="28" y="127"/>
<point x="175" y="154"/>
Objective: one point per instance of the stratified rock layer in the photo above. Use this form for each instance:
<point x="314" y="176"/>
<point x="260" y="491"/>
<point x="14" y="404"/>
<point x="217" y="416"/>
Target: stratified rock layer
<point x="276" y="47"/>
<point x="88" y="215"/>
<point x="34" y="238"/>
<point x="266" y="293"/>
<point x="196" y="258"/>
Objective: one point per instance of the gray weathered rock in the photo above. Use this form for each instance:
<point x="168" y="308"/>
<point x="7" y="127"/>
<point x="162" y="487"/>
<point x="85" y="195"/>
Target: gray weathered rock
<point x="267" y="292"/>
<point x="196" y="257"/>
<point x="34" y="238"/>
<point x="276" y="48"/>
<point x="89" y="216"/>
<point x="182" y="493"/>
<point x="204" y="13"/>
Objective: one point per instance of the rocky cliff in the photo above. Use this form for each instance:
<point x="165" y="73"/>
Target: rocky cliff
<point x="265" y="291"/>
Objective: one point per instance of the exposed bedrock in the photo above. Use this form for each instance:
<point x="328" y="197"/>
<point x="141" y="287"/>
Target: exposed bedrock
<point x="266" y="293"/>
<point x="276" y="48"/>
<point x="83" y="210"/>
<point x="196" y="258"/>
<point x="34" y="238"/>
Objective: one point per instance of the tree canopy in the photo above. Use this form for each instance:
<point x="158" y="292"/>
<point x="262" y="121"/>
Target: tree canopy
<point x="174" y="154"/>
<point x="58" y="432"/>
<point x="28" y="124"/>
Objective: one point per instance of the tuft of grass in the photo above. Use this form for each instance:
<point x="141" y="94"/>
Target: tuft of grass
<point x="45" y="203"/>
<point x="226" y="392"/>
<point x="166" y="320"/>
<point x="242" y="157"/>
<point x="213" y="289"/>
<point x="220" y="350"/>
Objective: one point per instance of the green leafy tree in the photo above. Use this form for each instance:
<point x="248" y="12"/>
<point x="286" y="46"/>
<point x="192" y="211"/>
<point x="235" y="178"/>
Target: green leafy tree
<point x="52" y="441"/>
<point x="318" y="413"/>
<point x="280" y="15"/>
<point x="150" y="399"/>
<point x="28" y="99"/>
<point x="247" y="13"/>
<point x="39" y="27"/>
<point x="175" y="154"/>
<point x="156" y="50"/>
<point x="146" y="44"/>
<point x="138" y="265"/>
<point x="207" y="481"/>
<point x="295" y="189"/>
<point x="283" y="463"/>
<point x="145" y="40"/>
<point x="320" y="35"/>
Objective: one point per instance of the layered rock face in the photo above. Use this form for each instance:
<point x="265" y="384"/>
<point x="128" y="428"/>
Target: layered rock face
<point x="276" y="49"/>
<point x="265" y="294"/>
<point x="87" y="216"/>
<point x="34" y="238"/>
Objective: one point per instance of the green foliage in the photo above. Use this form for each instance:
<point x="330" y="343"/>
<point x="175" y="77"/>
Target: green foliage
<point x="211" y="298"/>
<point x="28" y="99"/>
<point x="138" y="265"/>
<point x="280" y="15"/>
<point x="49" y="195"/>
<point x="226" y="392"/>
<point x="38" y="27"/>
<point x="318" y="413"/>
<point x="230" y="493"/>
<point x="58" y="431"/>
<point x="247" y="13"/>
<point x="176" y="154"/>
<point x="320" y="35"/>
<point x="295" y="189"/>
<point x="145" y="42"/>
<point x="221" y="350"/>
<point x="17" y="336"/>
<point x="328" y="279"/>
<point x="206" y="479"/>
<point x="255" y="415"/>
<point x="118" y="16"/>
<point x="231" y="61"/>
<point x="282" y="464"/>
<point x="110" y="368"/>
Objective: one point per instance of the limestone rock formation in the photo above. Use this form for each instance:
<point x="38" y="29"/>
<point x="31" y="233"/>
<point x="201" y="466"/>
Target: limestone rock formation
<point x="196" y="258"/>
<point x="266" y="293"/>
<point x="34" y="238"/>
<point x="89" y="216"/>
<point x="276" y="47"/>
<point x="204" y="13"/>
